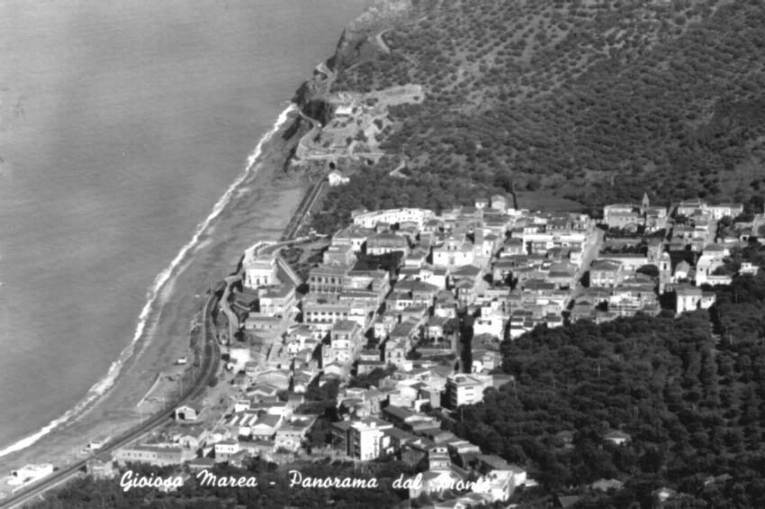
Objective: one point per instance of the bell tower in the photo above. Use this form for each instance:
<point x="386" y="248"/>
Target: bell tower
<point x="665" y="271"/>
<point x="645" y="203"/>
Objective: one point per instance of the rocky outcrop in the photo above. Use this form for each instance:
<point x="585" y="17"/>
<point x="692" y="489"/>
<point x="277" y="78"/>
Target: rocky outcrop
<point x="354" y="39"/>
<point x="356" y="43"/>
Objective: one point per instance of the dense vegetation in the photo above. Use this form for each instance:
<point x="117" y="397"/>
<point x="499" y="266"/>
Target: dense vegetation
<point x="689" y="391"/>
<point x="598" y="101"/>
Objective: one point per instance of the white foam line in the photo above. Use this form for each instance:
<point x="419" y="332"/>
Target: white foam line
<point x="152" y="295"/>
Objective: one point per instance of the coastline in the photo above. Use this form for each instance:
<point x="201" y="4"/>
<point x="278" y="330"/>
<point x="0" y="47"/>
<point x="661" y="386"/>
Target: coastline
<point x="260" y="205"/>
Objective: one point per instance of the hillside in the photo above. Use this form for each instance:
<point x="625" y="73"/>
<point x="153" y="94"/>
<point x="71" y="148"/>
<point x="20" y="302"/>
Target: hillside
<point x="690" y="405"/>
<point x="593" y="101"/>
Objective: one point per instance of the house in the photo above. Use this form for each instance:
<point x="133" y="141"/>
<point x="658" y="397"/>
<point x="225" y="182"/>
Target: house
<point x="384" y="243"/>
<point x="748" y="269"/>
<point x="335" y="177"/>
<point x="663" y="494"/>
<point x="193" y="437"/>
<point x="259" y="270"/>
<point x="290" y="436"/>
<point x="691" y="298"/>
<point x="152" y="455"/>
<point x="722" y="210"/>
<point x="354" y="236"/>
<point x="277" y="300"/>
<point x="102" y="466"/>
<point x="199" y="464"/>
<point x="327" y="278"/>
<point x="499" y="202"/>
<point x="345" y="342"/>
<point x="263" y="391"/>
<point x="688" y="208"/>
<point x="605" y="485"/>
<point x="365" y="438"/>
<point x="434" y="483"/>
<point x="189" y="412"/>
<point x="617" y="437"/>
<point x="491" y="323"/>
<point x="606" y="273"/>
<point x="225" y="449"/>
<point x="499" y="484"/>
<point x="279" y="378"/>
<point x="454" y="252"/>
<point x="466" y="389"/>
<point x="622" y="215"/>
<point x="682" y="271"/>
<point x="265" y="427"/>
<point x="392" y="216"/>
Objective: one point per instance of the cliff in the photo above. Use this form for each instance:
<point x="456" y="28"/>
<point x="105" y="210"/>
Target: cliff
<point x="357" y="38"/>
<point x="357" y="43"/>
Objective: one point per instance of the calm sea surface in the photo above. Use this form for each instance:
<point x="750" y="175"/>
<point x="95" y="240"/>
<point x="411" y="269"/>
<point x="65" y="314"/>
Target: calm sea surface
<point x="123" y="122"/>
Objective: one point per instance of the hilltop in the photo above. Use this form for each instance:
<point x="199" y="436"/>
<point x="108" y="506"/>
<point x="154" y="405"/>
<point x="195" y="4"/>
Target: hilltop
<point x="575" y="101"/>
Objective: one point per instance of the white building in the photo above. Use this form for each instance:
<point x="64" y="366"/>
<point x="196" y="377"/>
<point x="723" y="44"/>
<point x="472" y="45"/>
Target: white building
<point x="259" y="270"/>
<point x="226" y="448"/>
<point x="499" y="485"/>
<point x="365" y="437"/>
<point x="336" y="178"/>
<point x="29" y="474"/>
<point x="492" y="323"/>
<point x="464" y="389"/>
<point x="393" y="216"/>
<point x="454" y="253"/>
<point x="691" y="298"/>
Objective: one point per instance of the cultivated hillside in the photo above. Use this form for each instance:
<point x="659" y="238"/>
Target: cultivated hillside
<point x="595" y="101"/>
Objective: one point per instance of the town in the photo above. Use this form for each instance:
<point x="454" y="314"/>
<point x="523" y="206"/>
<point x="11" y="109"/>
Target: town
<point x="397" y="321"/>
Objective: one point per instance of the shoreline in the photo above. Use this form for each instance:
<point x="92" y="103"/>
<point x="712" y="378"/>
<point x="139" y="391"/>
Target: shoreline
<point x="257" y="206"/>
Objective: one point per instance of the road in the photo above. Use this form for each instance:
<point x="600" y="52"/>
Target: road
<point x="209" y="367"/>
<point x="591" y="252"/>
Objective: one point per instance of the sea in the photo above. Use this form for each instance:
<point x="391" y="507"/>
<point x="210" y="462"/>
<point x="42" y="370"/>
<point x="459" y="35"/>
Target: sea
<point x="122" y="124"/>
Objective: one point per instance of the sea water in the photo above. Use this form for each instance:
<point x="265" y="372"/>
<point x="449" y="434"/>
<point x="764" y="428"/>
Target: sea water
<point x="123" y="123"/>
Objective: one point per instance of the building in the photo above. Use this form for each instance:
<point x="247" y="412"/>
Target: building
<point x="335" y="177"/>
<point x="29" y="474"/>
<point x="365" y="438"/>
<point x="464" y="389"/>
<point x="102" y="466"/>
<point x="345" y="342"/>
<point x="277" y="300"/>
<point x="454" y="252"/>
<point x="606" y="273"/>
<point x="622" y="215"/>
<point x="290" y="435"/>
<point x="259" y="270"/>
<point x="392" y="216"/>
<point x="691" y="298"/>
<point x="152" y="455"/>
<point x="225" y="449"/>
<point x="353" y="235"/>
<point x="189" y="412"/>
<point x="499" y="202"/>
<point x="321" y="311"/>
<point x="328" y="278"/>
<point x="384" y="243"/>
<point x="617" y="437"/>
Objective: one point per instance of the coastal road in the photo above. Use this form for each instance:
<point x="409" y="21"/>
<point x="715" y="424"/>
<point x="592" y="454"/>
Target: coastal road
<point x="209" y="367"/>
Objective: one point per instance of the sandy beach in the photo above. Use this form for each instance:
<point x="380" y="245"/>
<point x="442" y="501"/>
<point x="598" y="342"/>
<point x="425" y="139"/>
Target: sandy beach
<point x="260" y="208"/>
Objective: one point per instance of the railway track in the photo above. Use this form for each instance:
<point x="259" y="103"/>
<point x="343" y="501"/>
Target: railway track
<point x="209" y="366"/>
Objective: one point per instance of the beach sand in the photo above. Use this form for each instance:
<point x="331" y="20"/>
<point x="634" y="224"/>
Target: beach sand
<point x="260" y="209"/>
